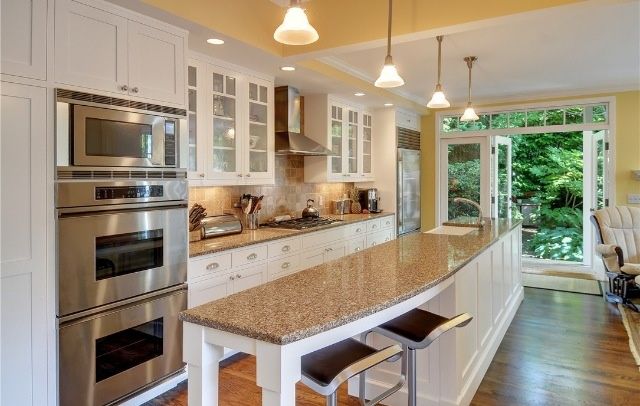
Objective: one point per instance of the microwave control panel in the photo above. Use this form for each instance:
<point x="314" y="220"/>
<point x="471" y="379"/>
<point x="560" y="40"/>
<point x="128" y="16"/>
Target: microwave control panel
<point x="128" y="192"/>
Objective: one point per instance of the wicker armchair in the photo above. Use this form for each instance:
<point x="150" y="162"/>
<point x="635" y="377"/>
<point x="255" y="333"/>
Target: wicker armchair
<point x="618" y="237"/>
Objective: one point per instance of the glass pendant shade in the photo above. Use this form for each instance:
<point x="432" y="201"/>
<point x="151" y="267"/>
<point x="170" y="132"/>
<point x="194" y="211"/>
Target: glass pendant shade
<point x="295" y="29"/>
<point x="389" y="76"/>
<point x="469" y="114"/>
<point x="438" y="100"/>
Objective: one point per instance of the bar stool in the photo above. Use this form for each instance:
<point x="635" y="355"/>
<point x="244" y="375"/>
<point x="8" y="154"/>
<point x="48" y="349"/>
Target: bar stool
<point x="414" y="330"/>
<point x="326" y="369"/>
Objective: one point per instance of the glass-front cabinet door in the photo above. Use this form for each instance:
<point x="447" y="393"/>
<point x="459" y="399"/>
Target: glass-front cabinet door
<point x="195" y="167"/>
<point x="337" y="133"/>
<point x="352" y="144"/>
<point x="259" y="143"/>
<point x="225" y="158"/>
<point x="367" y="171"/>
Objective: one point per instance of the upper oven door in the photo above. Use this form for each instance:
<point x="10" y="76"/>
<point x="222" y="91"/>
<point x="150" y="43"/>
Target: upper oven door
<point x="104" y="257"/>
<point x="106" y="137"/>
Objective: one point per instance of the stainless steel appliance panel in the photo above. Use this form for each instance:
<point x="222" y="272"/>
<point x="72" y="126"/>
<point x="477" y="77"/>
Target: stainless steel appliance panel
<point x="110" y="355"/>
<point x="107" y="256"/>
<point x="408" y="190"/>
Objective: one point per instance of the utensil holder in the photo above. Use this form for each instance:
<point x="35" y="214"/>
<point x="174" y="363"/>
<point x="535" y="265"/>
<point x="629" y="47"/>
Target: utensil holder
<point x="251" y="221"/>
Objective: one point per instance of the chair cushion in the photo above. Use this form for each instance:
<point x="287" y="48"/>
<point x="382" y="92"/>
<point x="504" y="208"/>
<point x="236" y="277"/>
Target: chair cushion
<point x="631" y="269"/>
<point x="620" y="225"/>
<point x="415" y="325"/>
<point x="325" y="364"/>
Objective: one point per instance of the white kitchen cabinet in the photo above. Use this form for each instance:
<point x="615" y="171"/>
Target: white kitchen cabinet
<point x="407" y="119"/>
<point x="23" y="237"/>
<point x="100" y="47"/>
<point x="210" y="289"/>
<point x="341" y="128"/>
<point x="231" y="127"/>
<point x="249" y="277"/>
<point x="23" y="48"/>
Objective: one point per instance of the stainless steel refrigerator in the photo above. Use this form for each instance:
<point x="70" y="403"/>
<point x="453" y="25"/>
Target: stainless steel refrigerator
<point x="408" y="190"/>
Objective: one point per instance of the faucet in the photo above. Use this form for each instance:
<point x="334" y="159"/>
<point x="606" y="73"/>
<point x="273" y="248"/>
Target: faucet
<point x="474" y="204"/>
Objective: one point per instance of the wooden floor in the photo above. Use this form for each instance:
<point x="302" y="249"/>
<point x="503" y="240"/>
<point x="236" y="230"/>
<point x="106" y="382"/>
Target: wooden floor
<point x="561" y="349"/>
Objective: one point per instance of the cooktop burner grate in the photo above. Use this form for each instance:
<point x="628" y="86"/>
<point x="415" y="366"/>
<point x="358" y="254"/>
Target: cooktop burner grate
<point x="302" y="223"/>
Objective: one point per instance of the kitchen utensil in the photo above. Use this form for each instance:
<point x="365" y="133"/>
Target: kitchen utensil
<point x="310" y="211"/>
<point x="255" y="203"/>
<point x="251" y="221"/>
<point x="196" y="214"/>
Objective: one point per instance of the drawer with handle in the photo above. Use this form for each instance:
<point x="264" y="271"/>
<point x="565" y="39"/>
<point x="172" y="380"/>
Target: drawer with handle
<point x="356" y="229"/>
<point x="373" y="226"/>
<point x="284" y="247"/>
<point x="283" y="266"/>
<point x="387" y="222"/>
<point x="211" y="264"/>
<point x="249" y="256"/>
<point x="379" y="238"/>
<point x="355" y="245"/>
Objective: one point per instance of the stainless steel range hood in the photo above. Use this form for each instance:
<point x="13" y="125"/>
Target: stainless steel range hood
<point x="290" y="138"/>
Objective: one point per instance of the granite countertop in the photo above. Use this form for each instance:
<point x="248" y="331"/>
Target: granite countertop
<point x="341" y="291"/>
<point x="264" y="234"/>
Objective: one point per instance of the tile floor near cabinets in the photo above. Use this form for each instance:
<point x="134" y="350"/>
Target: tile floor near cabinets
<point x="561" y="349"/>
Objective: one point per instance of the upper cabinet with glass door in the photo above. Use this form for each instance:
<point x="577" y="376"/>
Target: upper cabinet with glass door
<point x="342" y="128"/>
<point x="231" y="139"/>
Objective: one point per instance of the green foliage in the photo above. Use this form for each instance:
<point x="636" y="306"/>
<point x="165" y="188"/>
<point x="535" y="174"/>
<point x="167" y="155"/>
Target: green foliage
<point x="464" y="181"/>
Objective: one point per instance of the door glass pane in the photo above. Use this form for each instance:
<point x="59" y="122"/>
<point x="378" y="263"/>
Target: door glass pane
<point x="123" y="254"/>
<point x="192" y="76"/>
<point x="253" y="91"/>
<point x="126" y="349"/>
<point x="600" y="170"/>
<point x="504" y="194"/>
<point x="463" y="178"/>
<point x="231" y="86"/>
<point x="258" y="161"/>
<point x="336" y="144"/>
<point x="224" y="106"/>
<point x="118" y="139"/>
<point x="218" y="83"/>
<point x="263" y="94"/>
<point x="352" y="153"/>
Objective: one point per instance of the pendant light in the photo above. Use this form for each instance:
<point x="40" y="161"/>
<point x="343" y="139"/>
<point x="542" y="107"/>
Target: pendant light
<point x="295" y="29"/>
<point x="438" y="100"/>
<point x="389" y="76"/>
<point x="469" y="112"/>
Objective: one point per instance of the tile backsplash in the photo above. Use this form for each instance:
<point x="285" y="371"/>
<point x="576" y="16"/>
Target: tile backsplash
<point x="288" y="196"/>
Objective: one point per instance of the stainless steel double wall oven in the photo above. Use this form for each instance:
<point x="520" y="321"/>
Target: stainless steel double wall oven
<point x="121" y="204"/>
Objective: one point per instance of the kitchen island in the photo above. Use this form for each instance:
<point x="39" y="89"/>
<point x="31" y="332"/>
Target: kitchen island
<point x="280" y="321"/>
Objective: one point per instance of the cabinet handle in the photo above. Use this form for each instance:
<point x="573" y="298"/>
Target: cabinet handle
<point x="134" y="90"/>
<point x="231" y="277"/>
<point x="386" y="239"/>
<point x="248" y="175"/>
<point x="202" y="175"/>
<point x="357" y="249"/>
<point x="358" y="230"/>
<point x="328" y="249"/>
<point x="124" y="88"/>
<point x="238" y="276"/>
<point x="286" y="248"/>
<point x="251" y="257"/>
<point x="373" y="226"/>
<point x="212" y="265"/>
<point x="285" y="265"/>
<point x="239" y="175"/>
<point x="373" y="243"/>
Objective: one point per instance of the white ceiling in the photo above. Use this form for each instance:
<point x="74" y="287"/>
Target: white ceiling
<point x="578" y="49"/>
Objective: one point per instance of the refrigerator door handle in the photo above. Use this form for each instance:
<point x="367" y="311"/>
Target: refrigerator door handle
<point x="400" y="195"/>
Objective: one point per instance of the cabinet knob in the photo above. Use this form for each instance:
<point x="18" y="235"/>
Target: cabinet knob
<point x="212" y="266"/>
<point x="239" y="175"/>
<point x="328" y="249"/>
<point x="286" y="248"/>
<point x="358" y="230"/>
<point x="373" y="227"/>
<point x="134" y="90"/>
<point x="357" y="249"/>
<point x="124" y="88"/>
<point x="231" y="277"/>
<point x="285" y="265"/>
<point x="386" y="239"/>
<point x="248" y="175"/>
<point x="201" y="175"/>
<point x="238" y="276"/>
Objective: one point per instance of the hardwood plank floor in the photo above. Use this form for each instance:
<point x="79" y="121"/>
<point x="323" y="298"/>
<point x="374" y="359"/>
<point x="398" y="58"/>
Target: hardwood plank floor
<point x="561" y="349"/>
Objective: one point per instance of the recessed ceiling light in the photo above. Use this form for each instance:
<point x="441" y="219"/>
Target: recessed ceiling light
<point x="388" y="104"/>
<point x="359" y="94"/>
<point x="215" y="41"/>
<point x="288" y="68"/>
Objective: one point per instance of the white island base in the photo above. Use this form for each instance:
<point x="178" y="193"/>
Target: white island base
<point x="449" y="372"/>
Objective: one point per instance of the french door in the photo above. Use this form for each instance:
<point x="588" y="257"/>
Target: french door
<point x="464" y="172"/>
<point x="501" y="160"/>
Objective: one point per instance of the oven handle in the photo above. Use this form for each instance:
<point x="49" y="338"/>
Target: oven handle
<point x="81" y="317"/>
<point x="95" y="210"/>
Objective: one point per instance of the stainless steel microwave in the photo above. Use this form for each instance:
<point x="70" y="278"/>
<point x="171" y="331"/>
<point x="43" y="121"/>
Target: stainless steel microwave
<point x="99" y="131"/>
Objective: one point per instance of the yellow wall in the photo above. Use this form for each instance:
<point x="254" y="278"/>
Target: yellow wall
<point x="627" y="151"/>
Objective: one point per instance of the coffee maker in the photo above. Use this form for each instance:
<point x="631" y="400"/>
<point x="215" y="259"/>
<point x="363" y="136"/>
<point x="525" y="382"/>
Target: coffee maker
<point x="369" y="200"/>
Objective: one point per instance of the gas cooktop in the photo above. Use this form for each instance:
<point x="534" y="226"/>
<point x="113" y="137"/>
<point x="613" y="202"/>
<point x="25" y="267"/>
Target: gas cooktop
<point x="301" y="223"/>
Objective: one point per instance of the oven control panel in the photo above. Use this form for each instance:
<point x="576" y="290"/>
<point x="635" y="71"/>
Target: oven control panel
<point x="128" y="192"/>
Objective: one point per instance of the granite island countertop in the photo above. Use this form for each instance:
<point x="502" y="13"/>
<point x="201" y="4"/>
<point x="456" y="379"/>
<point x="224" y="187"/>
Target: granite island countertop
<point x="341" y="291"/>
<point x="264" y="234"/>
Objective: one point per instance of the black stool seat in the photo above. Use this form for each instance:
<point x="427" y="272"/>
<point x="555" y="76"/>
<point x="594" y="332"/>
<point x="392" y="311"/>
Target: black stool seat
<point x="418" y="328"/>
<point x="324" y="365"/>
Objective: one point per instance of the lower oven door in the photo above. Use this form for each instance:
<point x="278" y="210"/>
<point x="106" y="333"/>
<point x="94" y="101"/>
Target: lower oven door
<point x="107" y="256"/>
<point x="109" y="355"/>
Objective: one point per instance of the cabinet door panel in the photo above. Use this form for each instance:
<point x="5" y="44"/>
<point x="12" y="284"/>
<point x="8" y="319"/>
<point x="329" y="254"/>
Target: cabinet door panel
<point x="259" y="145"/>
<point x="249" y="278"/>
<point x="156" y="64"/>
<point x="209" y="290"/>
<point x="90" y="47"/>
<point x="24" y="41"/>
<point x="23" y="239"/>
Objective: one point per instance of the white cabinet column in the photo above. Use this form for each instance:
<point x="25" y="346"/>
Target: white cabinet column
<point x="24" y="38"/>
<point x="23" y="222"/>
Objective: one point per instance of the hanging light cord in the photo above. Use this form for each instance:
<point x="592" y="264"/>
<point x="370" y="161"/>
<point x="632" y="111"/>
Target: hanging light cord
<point x="469" y="60"/>
<point x="389" y="33"/>
<point x="439" y="38"/>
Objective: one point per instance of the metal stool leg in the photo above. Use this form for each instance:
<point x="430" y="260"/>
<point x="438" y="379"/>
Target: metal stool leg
<point x="411" y="376"/>
<point x="332" y="400"/>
